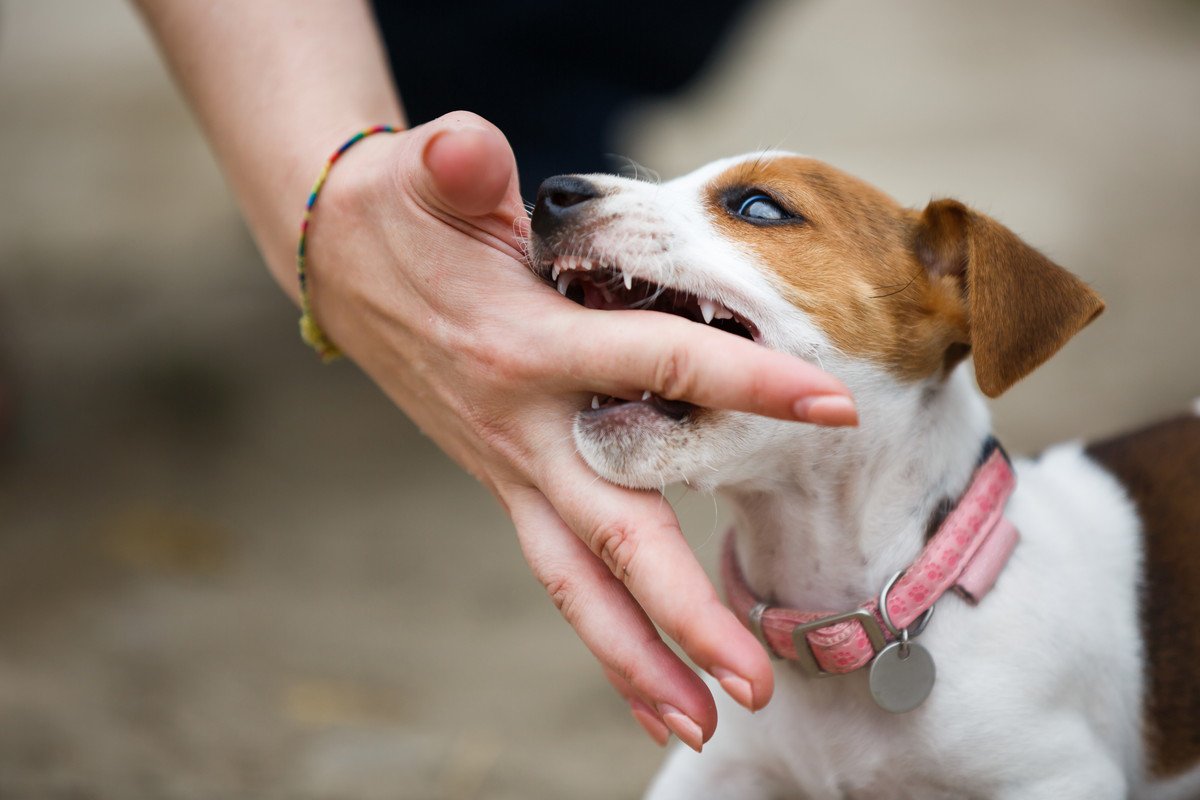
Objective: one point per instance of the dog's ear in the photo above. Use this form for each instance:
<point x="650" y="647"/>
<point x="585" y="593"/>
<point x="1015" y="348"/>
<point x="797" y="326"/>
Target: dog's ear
<point x="1021" y="306"/>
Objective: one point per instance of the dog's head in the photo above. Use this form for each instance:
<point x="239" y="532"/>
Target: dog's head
<point x="799" y="257"/>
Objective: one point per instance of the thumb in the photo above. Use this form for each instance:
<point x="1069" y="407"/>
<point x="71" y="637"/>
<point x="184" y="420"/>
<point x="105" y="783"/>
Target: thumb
<point x="468" y="169"/>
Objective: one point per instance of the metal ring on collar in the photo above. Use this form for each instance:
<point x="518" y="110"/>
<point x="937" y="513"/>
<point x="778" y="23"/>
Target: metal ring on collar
<point x="918" y="624"/>
<point x="755" y="619"/>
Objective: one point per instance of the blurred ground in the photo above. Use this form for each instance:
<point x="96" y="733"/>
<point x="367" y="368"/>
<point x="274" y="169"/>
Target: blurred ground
<point x="226" y="571"/>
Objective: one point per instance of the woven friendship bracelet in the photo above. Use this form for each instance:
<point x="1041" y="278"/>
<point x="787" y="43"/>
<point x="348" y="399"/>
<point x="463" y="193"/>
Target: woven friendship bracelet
<point x="310" y="331"/>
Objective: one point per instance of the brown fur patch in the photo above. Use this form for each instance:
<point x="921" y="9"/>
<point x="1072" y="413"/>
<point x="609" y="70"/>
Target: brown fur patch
<point x="849" y="265"/>
<point x="913" y="291"/>
<point x="1023" y="307"/>
<point x="1160" y="469"/>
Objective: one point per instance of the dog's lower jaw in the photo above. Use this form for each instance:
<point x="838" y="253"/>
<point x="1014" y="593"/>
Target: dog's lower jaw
<point x="646" y="450"/>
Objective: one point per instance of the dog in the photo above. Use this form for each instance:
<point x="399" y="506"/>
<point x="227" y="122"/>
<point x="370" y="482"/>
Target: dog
<point x="1063" y="657"/>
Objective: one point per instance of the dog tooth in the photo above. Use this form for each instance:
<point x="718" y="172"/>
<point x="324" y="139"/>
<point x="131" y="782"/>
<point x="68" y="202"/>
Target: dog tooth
<point x="554" y="272"/>
<point x="707" y="309"/>
<point x="646" y="395"/>
<point x="722" y="312"/>
<point x="564" y="282"/>
<point x="595" y="401"/>
<point x="628" y="281"/>
<point x="585" y="264"/>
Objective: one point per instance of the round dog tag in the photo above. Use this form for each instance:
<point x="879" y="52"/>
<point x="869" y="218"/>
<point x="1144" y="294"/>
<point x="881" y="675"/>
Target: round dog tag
<point x="900" y="683"/>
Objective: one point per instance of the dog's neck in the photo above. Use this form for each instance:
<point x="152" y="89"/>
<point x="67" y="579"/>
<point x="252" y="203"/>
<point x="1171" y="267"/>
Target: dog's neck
<point x="856" y="506"/>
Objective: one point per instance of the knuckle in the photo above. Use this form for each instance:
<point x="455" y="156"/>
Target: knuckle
<point x="515" y="365"/>
<point x="673" y="377"/>
<point x="509" y="366"/>
<point x="499" y="432"/>
<point x="627" y="675"/>
<point x="563" y="594"/>
<point x="504" y="361"/>
<point x="443" y="336"/>
<point x="616" y="546"/>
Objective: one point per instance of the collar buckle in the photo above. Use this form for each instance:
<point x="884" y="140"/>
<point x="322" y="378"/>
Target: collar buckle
<point x="804" y="653"/>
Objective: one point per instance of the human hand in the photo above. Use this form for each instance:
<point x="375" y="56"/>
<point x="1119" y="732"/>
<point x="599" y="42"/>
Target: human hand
<point x="416" y="272"/>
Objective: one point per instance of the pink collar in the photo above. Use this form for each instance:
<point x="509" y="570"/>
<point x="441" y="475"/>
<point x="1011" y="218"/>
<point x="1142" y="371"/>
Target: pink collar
<point x="966" y="554"/>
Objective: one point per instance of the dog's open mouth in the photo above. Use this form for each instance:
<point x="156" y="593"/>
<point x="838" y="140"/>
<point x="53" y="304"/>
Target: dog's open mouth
<point x="605" y="287"/>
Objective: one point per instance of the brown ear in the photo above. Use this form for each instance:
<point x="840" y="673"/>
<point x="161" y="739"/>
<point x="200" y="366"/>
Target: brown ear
<point x="1021" y="306"/>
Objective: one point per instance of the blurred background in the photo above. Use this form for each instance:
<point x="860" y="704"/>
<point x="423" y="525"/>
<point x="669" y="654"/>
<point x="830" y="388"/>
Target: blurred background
<point x="227" y="571"/>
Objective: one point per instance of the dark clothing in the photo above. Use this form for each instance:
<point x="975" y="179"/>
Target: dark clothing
<point x="552" y="74"/>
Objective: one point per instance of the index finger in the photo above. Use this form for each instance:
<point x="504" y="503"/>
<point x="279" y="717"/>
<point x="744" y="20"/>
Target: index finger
<point x="624" y="353"/>
<point x="636" y="534"/>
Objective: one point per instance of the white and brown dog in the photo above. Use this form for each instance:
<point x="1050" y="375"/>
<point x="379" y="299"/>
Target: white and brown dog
<point x="1078" y="675"/>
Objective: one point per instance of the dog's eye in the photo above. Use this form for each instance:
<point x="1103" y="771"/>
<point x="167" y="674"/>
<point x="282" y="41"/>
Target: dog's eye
<point x="761" y="207"/>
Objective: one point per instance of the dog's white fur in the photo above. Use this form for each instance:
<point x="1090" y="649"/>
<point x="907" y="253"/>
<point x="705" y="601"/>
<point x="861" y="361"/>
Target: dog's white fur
<point x="1039" y="688"/>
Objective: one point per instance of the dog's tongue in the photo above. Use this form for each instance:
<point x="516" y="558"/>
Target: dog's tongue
<point x="602" y="298"/>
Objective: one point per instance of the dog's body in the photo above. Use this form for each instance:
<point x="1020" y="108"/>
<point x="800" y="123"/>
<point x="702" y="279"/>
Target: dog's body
<point x="1041" y="687"/>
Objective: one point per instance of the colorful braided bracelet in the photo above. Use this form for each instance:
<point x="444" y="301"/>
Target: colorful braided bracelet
<point x="310" y="331"/>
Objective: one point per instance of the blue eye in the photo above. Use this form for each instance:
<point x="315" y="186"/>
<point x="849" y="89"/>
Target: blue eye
<point x="761" y="207"/>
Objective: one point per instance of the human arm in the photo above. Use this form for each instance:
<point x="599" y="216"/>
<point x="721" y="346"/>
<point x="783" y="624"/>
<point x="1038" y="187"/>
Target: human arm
<point x="416" y="274"/>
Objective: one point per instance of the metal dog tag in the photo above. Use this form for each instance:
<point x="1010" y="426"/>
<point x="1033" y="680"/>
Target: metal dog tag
<point x="899" y="682"/>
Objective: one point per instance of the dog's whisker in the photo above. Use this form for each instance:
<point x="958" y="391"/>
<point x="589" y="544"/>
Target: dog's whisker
<point x="915" y="275"/>
<point x="712" y="532"/>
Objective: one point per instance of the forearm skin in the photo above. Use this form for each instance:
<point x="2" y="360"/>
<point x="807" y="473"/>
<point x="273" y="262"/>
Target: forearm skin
<point x="277" y="85"/>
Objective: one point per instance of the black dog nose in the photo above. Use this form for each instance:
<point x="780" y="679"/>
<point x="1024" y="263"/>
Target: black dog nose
<point x="559" y="199"/>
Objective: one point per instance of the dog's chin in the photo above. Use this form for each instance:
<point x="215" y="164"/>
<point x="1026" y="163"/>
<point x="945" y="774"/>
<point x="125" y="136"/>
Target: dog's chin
<point x="642" y="444"/>
<point x="651" y="443"/>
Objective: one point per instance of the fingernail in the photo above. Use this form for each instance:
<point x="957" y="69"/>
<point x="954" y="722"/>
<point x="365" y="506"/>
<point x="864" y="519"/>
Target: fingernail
<point x="735" y="686"/>
<point x="682" y="726"/>
<point x="830" y="409"/>
<point x="649" y="722"/>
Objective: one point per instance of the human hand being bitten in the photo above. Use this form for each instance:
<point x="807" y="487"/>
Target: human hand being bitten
<point x="416" y="271"/>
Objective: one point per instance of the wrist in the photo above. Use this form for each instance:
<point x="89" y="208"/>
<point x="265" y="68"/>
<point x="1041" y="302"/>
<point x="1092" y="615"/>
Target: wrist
<point x="275" y="222"/>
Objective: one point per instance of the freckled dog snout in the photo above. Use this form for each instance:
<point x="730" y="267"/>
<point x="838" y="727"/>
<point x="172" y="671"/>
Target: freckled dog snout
<point x="560" y="200"/>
